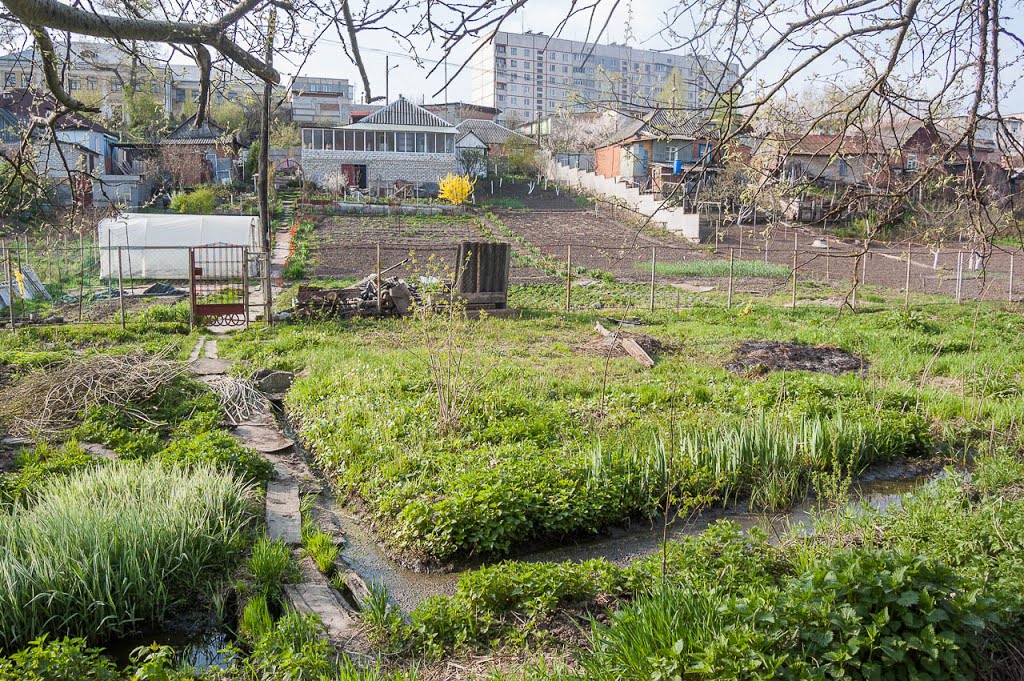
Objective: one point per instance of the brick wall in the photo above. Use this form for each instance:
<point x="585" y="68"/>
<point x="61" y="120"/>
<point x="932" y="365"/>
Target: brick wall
<point x="382" y="168"/>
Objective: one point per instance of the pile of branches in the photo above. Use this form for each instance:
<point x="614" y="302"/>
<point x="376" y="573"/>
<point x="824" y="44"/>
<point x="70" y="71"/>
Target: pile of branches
<point x="50" y="401"/>
<point x="239" y="399"/>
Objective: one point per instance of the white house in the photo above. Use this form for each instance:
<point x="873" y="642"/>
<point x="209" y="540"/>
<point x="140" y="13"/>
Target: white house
<point x="400" y="142"/>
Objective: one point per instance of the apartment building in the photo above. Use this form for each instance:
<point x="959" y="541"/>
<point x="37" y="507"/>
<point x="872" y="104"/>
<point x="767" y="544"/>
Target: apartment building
<point x="98" y="74"/>
<point x="531" y="75"/>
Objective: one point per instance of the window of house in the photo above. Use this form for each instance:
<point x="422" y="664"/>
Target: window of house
<point x="115" y="86"/>
<point x="911" y="162"/>
<point x="26" y="80"/>
<point x="318" y="139"/>
<point x="704" y="149"/>
<point x="526" y="52"/>
<point x="673" y="153"/>
<point x="527" y="64"/>
<point x="75" y="84"/>
<point x="329" y="140"/>
<point x="515" y="51"/>
<point x="307" y="138"/>
<point x="515" y="64"/>
<point x="500" y="49"/>
<point x="553" y="67"/>
<point x="10" y="80"/>
<point x="844" y="168"/>
<point x="501" y="98"/>
<point x="514" y="100"/>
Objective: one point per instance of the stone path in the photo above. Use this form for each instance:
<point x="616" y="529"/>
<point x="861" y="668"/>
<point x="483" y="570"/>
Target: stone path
<point x="283" y="509"/>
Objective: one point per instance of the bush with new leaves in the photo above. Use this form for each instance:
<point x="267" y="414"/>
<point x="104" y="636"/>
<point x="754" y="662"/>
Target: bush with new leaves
<point x="199" y="202"/>
<point x="456" y="189"/>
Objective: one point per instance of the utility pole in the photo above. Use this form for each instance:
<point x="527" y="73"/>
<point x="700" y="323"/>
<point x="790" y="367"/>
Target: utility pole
<point x="387" y="79"/>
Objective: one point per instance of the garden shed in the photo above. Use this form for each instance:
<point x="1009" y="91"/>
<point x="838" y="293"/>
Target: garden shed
<point x="156" y="246"/>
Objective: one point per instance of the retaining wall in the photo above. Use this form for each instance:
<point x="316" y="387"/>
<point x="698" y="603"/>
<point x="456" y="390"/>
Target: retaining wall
<point x="675" y="220"/>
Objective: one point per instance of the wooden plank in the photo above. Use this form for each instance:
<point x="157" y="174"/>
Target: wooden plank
<point x="284" y="520"/>
<point x="637" y="352"/>
<point x="629" y="345"/>
<point x="320" y="599"/>
<point x="358" y="587"/>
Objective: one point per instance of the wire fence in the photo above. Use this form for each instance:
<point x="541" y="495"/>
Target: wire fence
<point x="82" y="281"/>
<point x="802" y="268"/>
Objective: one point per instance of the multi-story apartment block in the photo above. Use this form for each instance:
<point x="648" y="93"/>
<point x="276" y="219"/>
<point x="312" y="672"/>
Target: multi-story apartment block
<point x="321" y="100"/>
<point x="99" y="74"/>
<point x="530" y="75"/>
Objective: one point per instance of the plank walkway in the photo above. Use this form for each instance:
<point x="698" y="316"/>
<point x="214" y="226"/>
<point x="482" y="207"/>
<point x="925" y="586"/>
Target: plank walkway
<point x="283" y="510"/>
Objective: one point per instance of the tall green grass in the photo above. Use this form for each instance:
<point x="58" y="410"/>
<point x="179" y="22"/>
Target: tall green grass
<point x="104" y="552"/>
<point x="717" y="268"/>
<point x="768" y="460"/>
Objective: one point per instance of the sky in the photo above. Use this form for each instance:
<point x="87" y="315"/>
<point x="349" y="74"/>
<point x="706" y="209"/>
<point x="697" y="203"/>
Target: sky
<point x="637" y="23"/>
<point x="411" y="79"/>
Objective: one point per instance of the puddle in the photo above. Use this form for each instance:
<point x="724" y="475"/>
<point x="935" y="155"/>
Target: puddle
<point x="201" y="650"/>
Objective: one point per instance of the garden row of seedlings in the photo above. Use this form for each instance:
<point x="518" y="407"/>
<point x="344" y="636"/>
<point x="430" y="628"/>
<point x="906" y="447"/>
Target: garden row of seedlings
<point x="289" y="518"/>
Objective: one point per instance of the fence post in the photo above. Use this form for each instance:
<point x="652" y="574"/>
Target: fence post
<point x="378" y="280"/>
<point x="654" y="261"/>
<point x="245" y="283"/>
<point x="81" y="279"/>
<point x="794" y="280"/>
<point x="1010" y="294"/>
<point x="906" y="285"/>
<point x="728" y="300"/>
<point x="568" y="277"/>
<point x="828" y="260"/>
<point x="959" y="276"/>
<point x="853" y="294"/>
<point x="10" y="286"/>
<point x="120" y="285"/>
<point x="191" y="290"/>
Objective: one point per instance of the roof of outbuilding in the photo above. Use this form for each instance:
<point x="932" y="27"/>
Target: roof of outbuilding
<point x="490" y="132"/>
<point x="670" y="124"/>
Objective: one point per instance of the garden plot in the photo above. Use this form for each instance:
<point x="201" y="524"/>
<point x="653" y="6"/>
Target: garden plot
<point x="554" y="444"/>
<point x="346" y="247"/>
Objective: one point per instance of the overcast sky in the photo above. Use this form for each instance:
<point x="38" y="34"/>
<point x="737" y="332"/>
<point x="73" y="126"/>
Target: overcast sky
<point x="639" y="28"/>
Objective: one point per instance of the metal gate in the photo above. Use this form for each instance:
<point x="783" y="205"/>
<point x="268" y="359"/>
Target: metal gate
<point x="219" y="285"/>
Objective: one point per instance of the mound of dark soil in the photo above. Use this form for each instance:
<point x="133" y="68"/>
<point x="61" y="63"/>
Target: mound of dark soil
<point x="760" y="357"/>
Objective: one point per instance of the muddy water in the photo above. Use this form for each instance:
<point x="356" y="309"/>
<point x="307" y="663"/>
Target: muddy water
<point x="879" y="488"/>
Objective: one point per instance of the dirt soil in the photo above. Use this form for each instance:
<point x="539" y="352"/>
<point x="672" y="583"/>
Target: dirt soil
<point x="760" y="357"/>
<point x="607" y="346"/>
<point x="346" y="246"/>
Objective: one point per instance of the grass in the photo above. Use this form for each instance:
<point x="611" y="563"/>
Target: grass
<point x="115" y="548"/>
<point x="556" y="442"/>
<point x="718" y="268"/>
<point x="320" y="546"/>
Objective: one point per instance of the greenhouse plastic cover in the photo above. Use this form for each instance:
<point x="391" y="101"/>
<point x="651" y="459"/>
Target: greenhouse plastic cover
<point x="157" y="245"/>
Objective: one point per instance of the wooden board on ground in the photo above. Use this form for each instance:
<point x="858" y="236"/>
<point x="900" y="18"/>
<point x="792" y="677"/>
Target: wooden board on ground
<point x="284" y="519"/>
<point x="629" y="345"/>
<point x="262" y="438"/>
<point x="209" y="366"/>
<point x="319" y="598"/>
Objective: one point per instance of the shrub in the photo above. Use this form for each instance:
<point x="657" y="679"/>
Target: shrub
<point x="60" y="660"/>
<point x="199" y="202"/>
<point x="113" y="548"/>
<point x="868" y="614"/>
<point x="200" y="442"/>
<point x="295" y="649"/>
<point x="455" y="189"/>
